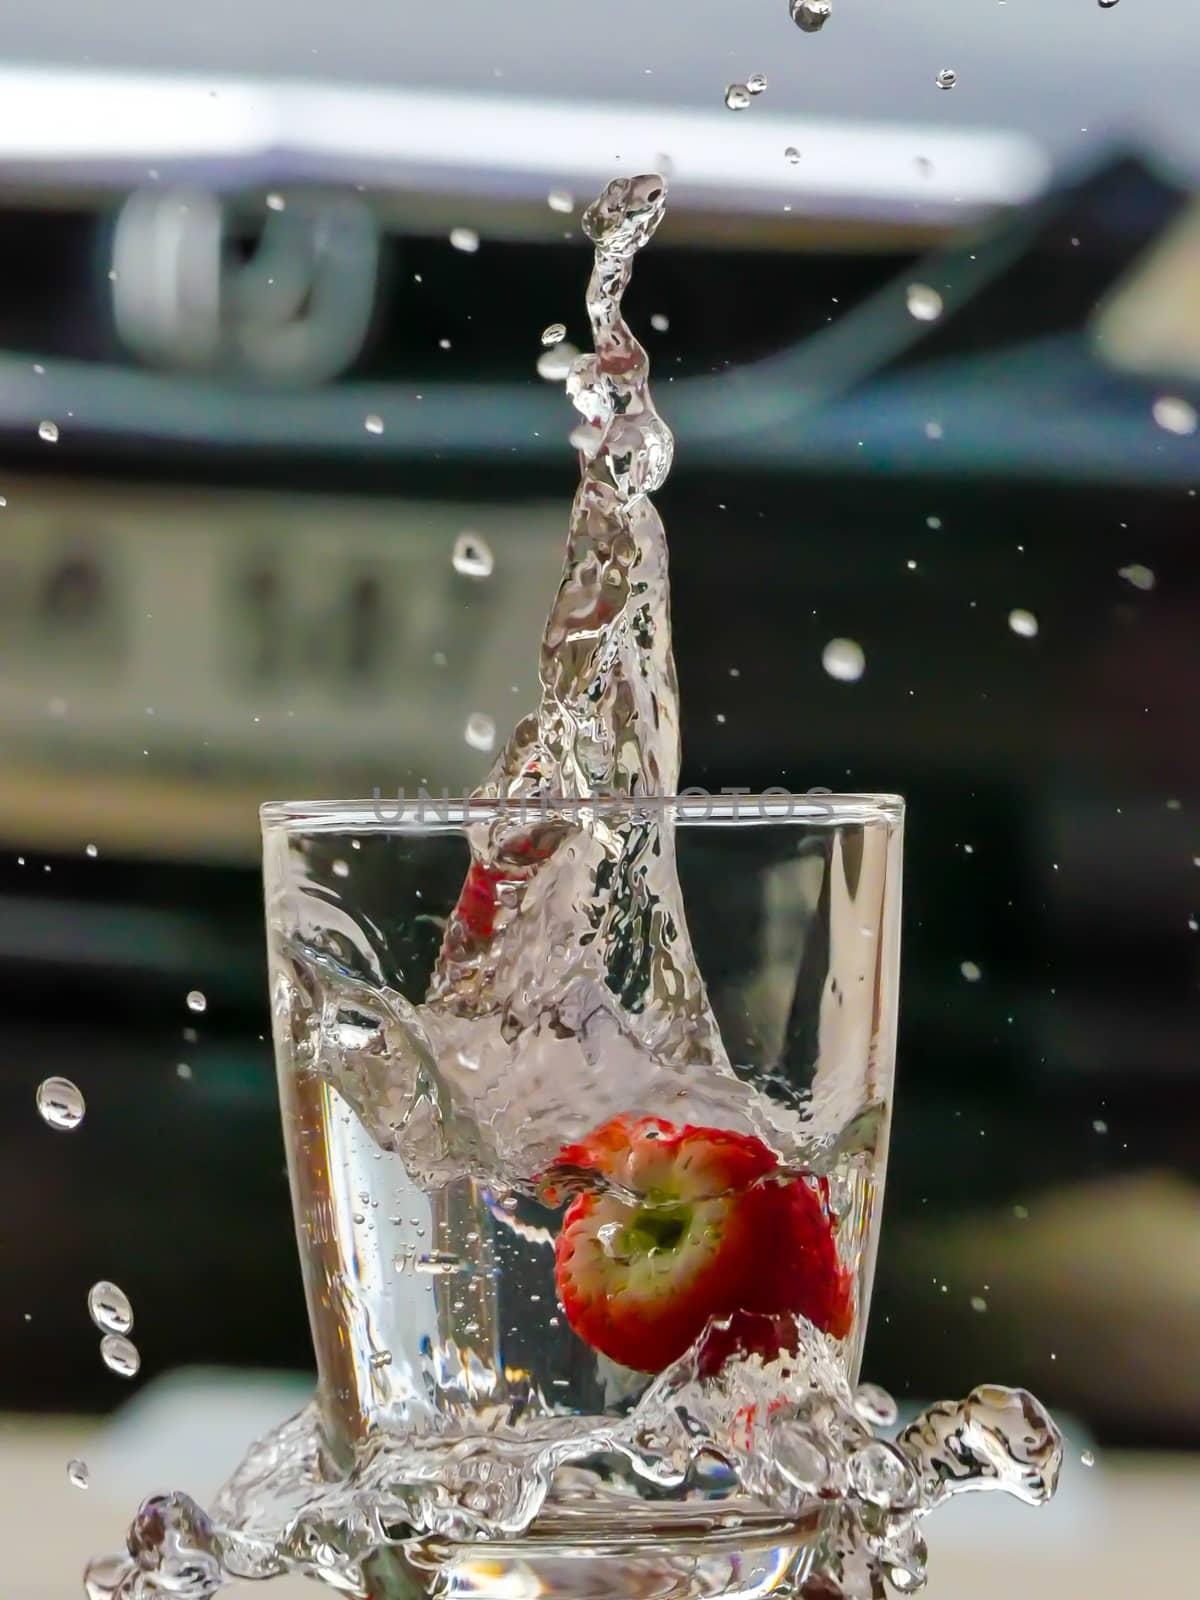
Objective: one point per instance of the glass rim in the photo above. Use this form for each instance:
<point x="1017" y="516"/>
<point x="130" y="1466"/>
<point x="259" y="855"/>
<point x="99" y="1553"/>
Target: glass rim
<point x="690" y="807"/>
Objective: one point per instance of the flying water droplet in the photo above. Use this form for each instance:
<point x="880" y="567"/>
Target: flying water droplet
<point x="737" y="96"/>
<point x="197" y="1001"/>
<point x="792" y="154"/>
<point x="48" y="431"/>
<point x="60" y="1103"/>
<point x="340" y="869"/>
<point x="1023" y="623"/>
<point x="874" y="1406"/>
<point x="1139" y="576"/>
<point x="1106" y="5"/>
<point x="77" y="1473"/>
<point x="1174" y="415"/>
<point x="1088" y="1457"/>
<point x="275" y="202"/>
<point x="924" y="303"/>
<point x="756" y="83"/>
<point x="844" y="660"/>
<point x="120" y="1355"/>
<point x="978" y="1303"/>
<point x="480" y="731"/>
<point x="91" y="850"/>
<point x="464" y="239"/>
<point x="472" y="556"/>
<point x="555" y="364"/>
<point x="555" y="333"/>
<point x="946" y="78"/>
<point x="660" y="322"/>
<point x="882" y="1475"/>
<point x="109" y="1307"/>
<point x="373" y="424"/>
<point x="810" y="16"/>
<point x="561" y="200"/>
<point x="971" y="971"/>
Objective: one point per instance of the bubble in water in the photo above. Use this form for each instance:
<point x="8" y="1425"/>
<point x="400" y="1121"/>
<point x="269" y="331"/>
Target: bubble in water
<point x="464" y="239"/>
<point x="197" y="1001"/>
<point x="77" y="1473"/>
<point x="810" y="16"/>
<point x="737" y="96"/>
<point x="109" y="1307"/>
<point x="946" y="78"/>
<point x="756" y="83"/>
<point x="1139" y="576"/>
<point x="373" y="423"/>
<point x="275" y="202"/>
<point x="660" y="322"/>
<point x="792" y="154"/>
<point x="1088" y="1457"/>
<point x="480" y="731"/>
<point x="555" y="333"/>
<point x="971" y="972"/>
<point x="844" y="660"/>
<point x="1171" y="413"/>
<point x="120" y="1355"/>
<point x="561" y="200"/>
<point x="555" y="364"/>
<point x="924" y="303"/>
<point x="48" y="431"/>
<point x="1023" y="623"/>
<point x="874" y="1406"/>
<point x="472" y="555"/>
<point x="60" y="1103"/>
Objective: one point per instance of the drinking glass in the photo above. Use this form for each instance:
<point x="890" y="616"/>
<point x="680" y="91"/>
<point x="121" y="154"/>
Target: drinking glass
<point x="426" y="1226"/>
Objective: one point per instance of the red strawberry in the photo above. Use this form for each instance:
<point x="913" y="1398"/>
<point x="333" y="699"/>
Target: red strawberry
<point x="715" y="1231"/>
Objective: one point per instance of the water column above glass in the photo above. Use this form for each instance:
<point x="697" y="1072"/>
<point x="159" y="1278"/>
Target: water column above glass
<point x="529" y="1247"/>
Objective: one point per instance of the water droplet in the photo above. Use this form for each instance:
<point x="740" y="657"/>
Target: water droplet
<point x="924" y="303"/>
<point x="1106" y="5"/>
<point x="464" y="239"/>
<point x="373" y="424"/>
<point x="933" y="430"/>
<point x="1170" y="412"/>
<point x="1088" y="1457"/>
<point x="844" y="660"/>
<point x="77" y="1473"/>
<point x="737" y="97"/>
<point x="120" y="1355"/>
<point x="660" y="322"/>
<point x="340" y="869"/>
<point x="555" y="333"/>
<point x="182" y="1070"/>
<point x="472" y="555"/>
<point x="1099" y="1126"/>
<point x="810" y="16"/>
<point x="48" y="431"/>
<point x="946" y="78"/>
<point x="197" y="1001"/>
<point x="480" y="731"/>
<point x="561" y="200"/>
<point x="109" y="1307"/>
<point x="1023" y="623"/>
<point x="756" y="83"/>
<point x="874" y="1406"/>
<point x="381" y="1358"/>
<point x="882" y="1475"/>
<point x="791" y="154"/>
<point x="1140" y="577"/>
<point x="60" y="1103"/>
<point x="91" y="850"/>
<point x="555" y="364"/>
<point x="970" y="971"/>
<point x="933" y="522"/>
<point x="275" y="202"/>
<point x="978" y="1303"/>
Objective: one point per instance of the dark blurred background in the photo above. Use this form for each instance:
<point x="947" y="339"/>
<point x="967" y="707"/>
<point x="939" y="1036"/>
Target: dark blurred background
<point x="279" y="390"/>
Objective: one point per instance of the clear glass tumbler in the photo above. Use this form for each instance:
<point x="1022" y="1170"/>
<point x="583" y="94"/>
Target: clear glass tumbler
<point x="552" y="1299"/>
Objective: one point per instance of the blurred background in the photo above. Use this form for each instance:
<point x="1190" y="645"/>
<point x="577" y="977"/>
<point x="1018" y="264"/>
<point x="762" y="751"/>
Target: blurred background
<point x="274" y="280"/>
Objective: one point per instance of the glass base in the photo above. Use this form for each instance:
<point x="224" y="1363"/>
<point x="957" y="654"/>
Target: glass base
<point x="791" y="1560"/>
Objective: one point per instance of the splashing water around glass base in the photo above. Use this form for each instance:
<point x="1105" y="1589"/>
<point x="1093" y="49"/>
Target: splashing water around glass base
<point x="587" y="1188"/>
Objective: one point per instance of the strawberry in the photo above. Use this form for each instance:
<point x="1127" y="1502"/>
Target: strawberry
<point x="681" y="1225"/>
